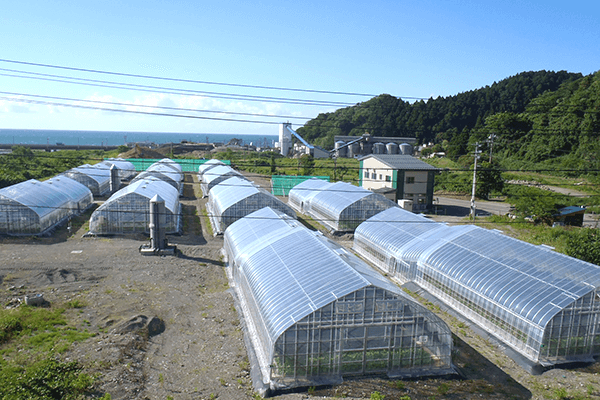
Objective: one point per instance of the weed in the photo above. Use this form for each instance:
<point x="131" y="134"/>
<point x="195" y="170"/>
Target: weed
<point x="377" y="396"/>
<point x="212" y="396"/>
<point x="223" y="382"/>
<point x="76" y="303"/>
<point x="399" y="385"/>
<point x="590" y="390"/>
<point x="560" y="393"/>
<point x="311" y="390"/>
<point x="161" y="379"/>
<point x="443" y="389"/>
<point x="106" y="396"/>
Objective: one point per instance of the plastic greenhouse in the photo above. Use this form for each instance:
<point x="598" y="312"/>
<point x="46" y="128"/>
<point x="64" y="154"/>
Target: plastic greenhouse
<point x="163" y="172"/>
<point x="94" y="177"/>
<point x="541" y="303"/>
<point x="315" y="312"/>
<point x="207" y="166"/>
<point x="126" y="168"/>
<point x="217" y="175"/>
<point x="128" y="210"/>
<point x="235" y="198"/>
<point x="341" y="206"/>
<point x="33" y="207"/>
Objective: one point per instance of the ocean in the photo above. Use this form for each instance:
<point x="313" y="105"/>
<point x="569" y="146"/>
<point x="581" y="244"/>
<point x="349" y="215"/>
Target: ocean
<point x="111" y="138"/>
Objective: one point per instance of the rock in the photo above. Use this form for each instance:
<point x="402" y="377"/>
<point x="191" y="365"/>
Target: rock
<point x="152" y="326"/>
<point x="156" y="326"/>
<point x="37" y="300"/>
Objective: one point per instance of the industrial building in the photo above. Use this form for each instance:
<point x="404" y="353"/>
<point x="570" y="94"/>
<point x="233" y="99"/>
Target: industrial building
<point x="315" y="313"/>
<point x="358" y="146"/>
<point x="543" y="304"/>
<point x="340" y="206"/>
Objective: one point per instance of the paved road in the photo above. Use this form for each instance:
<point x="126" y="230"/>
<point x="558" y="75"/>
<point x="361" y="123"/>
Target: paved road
<point x="455" y="210"/>
<point x="462" y="208"/>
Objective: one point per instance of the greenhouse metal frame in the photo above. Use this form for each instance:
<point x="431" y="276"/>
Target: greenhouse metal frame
<point x="94" y="177"/>
<point x="126" y="168"/>
<point x="217" y="175"/>
<point x="543" y="304"/>
<point x="315" y="312"/>
<point x="235" y="198"/>
<point x="34" y="208"/>
<point x="128" y="210"/>
<point x="164" y="173"/>
<point x="340" y="206"/>
<point x="208" y="165"/>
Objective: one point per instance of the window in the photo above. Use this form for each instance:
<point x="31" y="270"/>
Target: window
<point x="410" y="179"/>
<point x="373" y="175"/>
<point x="367" y="174"/>
<point x="380" y="177"/>
<point x="388" y="178"/>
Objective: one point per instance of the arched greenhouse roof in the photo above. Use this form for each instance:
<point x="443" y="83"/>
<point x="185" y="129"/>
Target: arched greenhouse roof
<point x="304" y="191"/>
<point x="208" y="165"/>
<point x="42" y="198"/>
<point x="217" y="175"/>
<point x="174" y="165"/>
<point x="149" y="188"/>
<point x="531" y="281"/>
<point x="126" y="168"/>
<point x="270" y="246"/>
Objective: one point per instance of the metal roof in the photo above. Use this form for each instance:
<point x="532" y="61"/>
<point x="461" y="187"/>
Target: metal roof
<point x="402" y="162"/>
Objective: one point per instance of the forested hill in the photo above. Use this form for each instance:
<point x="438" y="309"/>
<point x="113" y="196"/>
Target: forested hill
<point x="443" y="118"/>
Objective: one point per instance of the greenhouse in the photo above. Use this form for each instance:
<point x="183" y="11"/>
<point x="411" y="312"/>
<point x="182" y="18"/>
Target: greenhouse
<point x="543" y="304"/>
<point x="126" y="168"/>
<point x="235" y="198"/>
<point x="94" y="177"/>
<point x="163" y="172"/>
<point x="315" y="312"/>
<point x="217" y="175"/>
<point x="33" y="207"/>
<point x="174" y="165"/>
<point x="210" y="164"/>
<point x="128" y="210"/>
<point x="340" y="206"/>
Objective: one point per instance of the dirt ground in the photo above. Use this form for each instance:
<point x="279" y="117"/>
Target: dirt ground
<point x="200" y="354"/>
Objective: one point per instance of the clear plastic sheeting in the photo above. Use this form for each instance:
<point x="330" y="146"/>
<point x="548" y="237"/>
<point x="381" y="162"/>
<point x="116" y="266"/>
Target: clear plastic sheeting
<point x="543" y="304"/>
<point x="340" y="206"/>
<point x="217" y="175"/>
<point x="33" y="207"/>
<point x="210" y="164"/>
<point x="94" y="177"/>
<point x="163" y="172"/>
<point x="174" y="165"/>
<point x="317" y="313"/>
<point x="235" y="198"/>
<point x="126" y="168"/>
<point x="128" y="210"/>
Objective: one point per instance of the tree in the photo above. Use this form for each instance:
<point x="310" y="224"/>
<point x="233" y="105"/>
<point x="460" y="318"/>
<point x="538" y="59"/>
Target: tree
<point x="307" y="162"/>
<point x="489" y="179"/>
<point x="585" y="245"/>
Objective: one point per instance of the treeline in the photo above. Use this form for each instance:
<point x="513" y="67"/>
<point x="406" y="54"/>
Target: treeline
<point x="536" y="116"/>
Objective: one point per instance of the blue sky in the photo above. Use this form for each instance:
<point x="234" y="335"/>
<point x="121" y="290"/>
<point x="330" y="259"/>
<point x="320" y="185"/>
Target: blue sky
<point x="403" y="48"/>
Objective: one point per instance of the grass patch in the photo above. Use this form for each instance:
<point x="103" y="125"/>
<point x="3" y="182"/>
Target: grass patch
<point x="30" y="339"/>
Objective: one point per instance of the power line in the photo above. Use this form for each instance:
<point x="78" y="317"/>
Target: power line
<point x="148" y="106"/>
<point x="166" y="90"/>
<point x="96" y="71"/>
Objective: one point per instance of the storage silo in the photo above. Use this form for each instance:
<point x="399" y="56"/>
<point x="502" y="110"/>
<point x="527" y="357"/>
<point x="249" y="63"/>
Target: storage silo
<point x="379" y="148"/>
<point x="353" y="150"/>
<point x="340" y="152"/>
<point x="406" y="149"/>
<point x="392" y="148"/>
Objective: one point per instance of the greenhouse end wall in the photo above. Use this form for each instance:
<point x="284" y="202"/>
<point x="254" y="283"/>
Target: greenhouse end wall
<point x="316" y="313"/>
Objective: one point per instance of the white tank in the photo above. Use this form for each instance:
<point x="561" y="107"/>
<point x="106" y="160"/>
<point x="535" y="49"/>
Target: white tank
<point x="378" y="148"/>
<point x="406" y="149"/>
<point x="392" y="148"/>
<point x="340" y="152"/>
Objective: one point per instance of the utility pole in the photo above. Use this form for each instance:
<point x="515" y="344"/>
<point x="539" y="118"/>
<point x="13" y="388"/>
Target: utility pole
<point x="477" y="153"/>
<point x="490" y="141"/>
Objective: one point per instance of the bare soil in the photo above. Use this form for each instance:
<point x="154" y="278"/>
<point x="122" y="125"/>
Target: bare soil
<point x="201" y="353"/>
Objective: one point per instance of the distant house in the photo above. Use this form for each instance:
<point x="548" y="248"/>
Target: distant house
<point x="572" y="215"/>
<point x="411" y="178"/>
